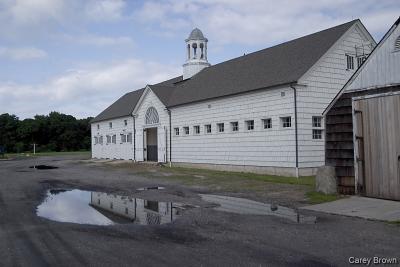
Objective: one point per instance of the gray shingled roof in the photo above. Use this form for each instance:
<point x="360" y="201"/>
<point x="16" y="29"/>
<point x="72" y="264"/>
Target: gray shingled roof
<point x="278" y="65"/>
<point x="281" y="64"/>
<point x="125" y="105"/>
<point x="121" y="108"/>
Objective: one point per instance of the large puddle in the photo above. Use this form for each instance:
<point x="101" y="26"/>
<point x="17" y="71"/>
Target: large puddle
<point x="97" y="208"/>
<point x="250" y="207"/>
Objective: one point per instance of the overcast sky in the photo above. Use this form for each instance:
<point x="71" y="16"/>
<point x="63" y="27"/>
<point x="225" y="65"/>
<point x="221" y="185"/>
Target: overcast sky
<point x="77" y="57"/>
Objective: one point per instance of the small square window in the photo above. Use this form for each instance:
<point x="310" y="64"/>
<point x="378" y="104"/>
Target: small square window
<point x="207" y="128"/>
<point x="235" y="126"/>
<point x="316" y="121"/>
<point x="123" y="138"/>
<point x="317" y="134"/>
<point x="126" y="122"/>
<point x="286" y="122"/>
<point x="196" y="129"/>
<point x="186" y="130"/>
<point x="176" y="131"/>
<point x="250" y="125"/>
<point x="110" y="125"/>
<point x="220" y="127"/>
<point x="267" y="123"/>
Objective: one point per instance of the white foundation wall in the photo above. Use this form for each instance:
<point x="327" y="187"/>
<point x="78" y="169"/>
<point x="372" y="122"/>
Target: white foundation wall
<point x="322" y="83"/>
<point x="112" y="151"/>
<point x="259" y="147"/>
<point x="151" y="100"/>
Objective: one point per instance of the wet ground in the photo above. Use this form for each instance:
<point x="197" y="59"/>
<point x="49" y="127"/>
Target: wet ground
<point x="203" y="231"/>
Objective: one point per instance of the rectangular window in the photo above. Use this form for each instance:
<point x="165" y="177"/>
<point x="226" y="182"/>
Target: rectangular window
<point x="350" y="62"/>
<point x="114" y="139"/>
<point x="96" y="140"/>
<point x="98" y="126"/>
<point x="108" y="139"/>
<point x="207" y="128"/>
<point x="235" y="126"/>
<point x="220" y="127"/>
<point x="286" y="122"/>
<point x="360" y="60"/>
<point x="110" y="125"/>
<point x="123" y="138"/>
<point x="317" y="121"/>
<point x="316" y="134"/>
<point x="101" y="140"/>
<point x="126" y="122"/>
<point x="176" y="131"/>
<point x="196" y="129"/>
<point x="129" y="138"/>
<point x="186" y="130"/>
<point x="250" y="125"/>
<point x="267" y="123"/>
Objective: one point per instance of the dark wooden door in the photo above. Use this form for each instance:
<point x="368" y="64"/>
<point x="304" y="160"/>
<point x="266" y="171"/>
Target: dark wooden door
<point x="152" y="154"/>
<point x="151" y="144"/>
<point x="378" y="132"/>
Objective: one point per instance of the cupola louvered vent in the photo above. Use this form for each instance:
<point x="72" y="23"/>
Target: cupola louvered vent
<point x="397" y="44"/>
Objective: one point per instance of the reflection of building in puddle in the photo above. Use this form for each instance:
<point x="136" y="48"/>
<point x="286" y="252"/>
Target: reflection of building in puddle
<point x="137" y="210"/>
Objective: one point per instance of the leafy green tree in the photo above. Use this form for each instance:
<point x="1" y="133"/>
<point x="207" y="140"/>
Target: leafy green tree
<point x="53" y="132"/>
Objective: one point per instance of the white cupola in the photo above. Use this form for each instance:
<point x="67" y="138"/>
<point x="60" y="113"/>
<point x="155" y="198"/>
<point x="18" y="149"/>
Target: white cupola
<point x="196" y="58"/>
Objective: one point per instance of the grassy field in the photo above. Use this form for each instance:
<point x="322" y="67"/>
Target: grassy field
<point x="317" y="198"/>
<point x="44" y="154"/>
<point x="237" y="182"/>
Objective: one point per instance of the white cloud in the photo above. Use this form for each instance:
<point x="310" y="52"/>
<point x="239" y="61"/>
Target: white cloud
<point x="83" y="92"/>
<point x="21" y="53"/>
<point x="97" y="40"/>
<point x="33" y="11"/>
<point x="105" y="10"/>
<point x="32" y="18"/>
<point x="263" y="22"/>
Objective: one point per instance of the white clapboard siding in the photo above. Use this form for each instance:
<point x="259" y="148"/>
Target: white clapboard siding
<point x="383" y="68"/>
<point x="322" y="84"/>
<point x="260" y="147"/>
<point x="112" y="151"/>
<point x="151" y="100"/>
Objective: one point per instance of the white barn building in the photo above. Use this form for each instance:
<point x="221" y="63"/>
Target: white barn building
<point x="260" y="112"/>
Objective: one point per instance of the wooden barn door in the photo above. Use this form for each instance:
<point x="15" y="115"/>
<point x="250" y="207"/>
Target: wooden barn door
<point x="377" y="145"/>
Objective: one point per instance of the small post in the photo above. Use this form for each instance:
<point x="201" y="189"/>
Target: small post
<point x="34" y="148"/>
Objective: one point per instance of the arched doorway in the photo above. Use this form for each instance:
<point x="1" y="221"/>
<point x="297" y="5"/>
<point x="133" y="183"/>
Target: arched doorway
<point x="150" y="135"/>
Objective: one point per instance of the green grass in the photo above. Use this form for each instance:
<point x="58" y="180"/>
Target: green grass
<point x="397" y="223"/>
<point x="218" y="175"/>
<point x="317" y="198"/>
<point x="43" y="154"/>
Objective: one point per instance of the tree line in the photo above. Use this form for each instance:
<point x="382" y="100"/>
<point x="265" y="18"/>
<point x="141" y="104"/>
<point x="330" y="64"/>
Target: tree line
<point x="53" y="132"/>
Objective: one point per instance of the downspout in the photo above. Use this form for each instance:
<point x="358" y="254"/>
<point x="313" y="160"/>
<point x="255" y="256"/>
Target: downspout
<point x="170" y="138"/>
<point x="295" y="129"/>
<point x="134" y="138"/>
